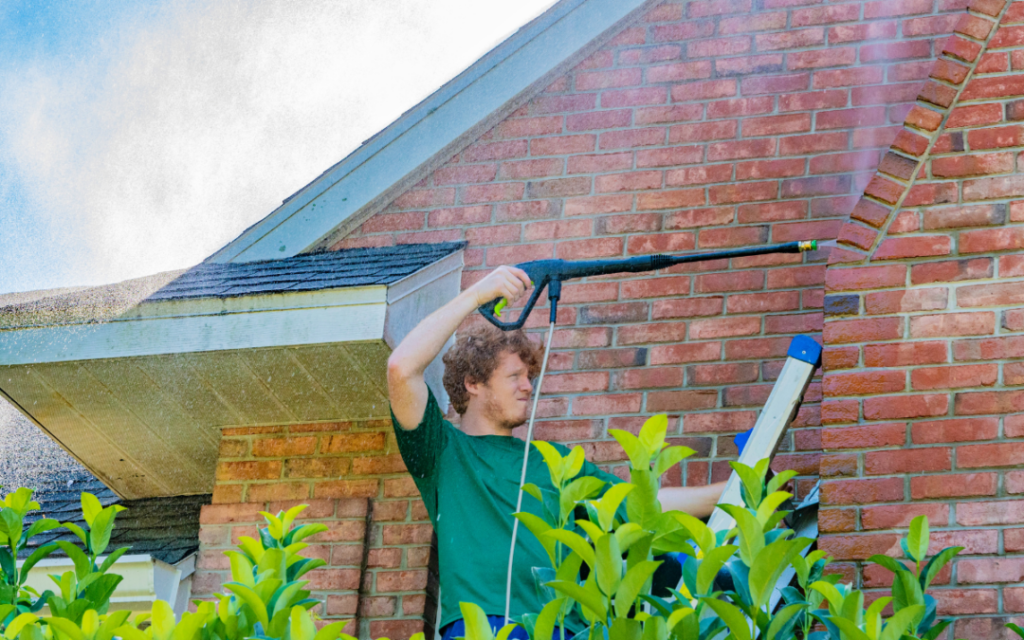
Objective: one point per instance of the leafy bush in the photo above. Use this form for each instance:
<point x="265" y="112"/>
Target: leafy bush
<point x="728" y="578"/>
<point x="89" y="586"/>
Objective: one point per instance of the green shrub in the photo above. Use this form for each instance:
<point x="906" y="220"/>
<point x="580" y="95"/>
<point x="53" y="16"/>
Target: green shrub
<point x="615" y="600"/>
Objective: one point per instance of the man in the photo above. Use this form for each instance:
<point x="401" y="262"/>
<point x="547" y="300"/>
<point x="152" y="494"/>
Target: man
<point x="469" y="477"/>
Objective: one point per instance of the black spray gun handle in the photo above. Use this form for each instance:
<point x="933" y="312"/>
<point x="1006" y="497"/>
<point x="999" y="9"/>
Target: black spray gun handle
<point x="551" y="273"/>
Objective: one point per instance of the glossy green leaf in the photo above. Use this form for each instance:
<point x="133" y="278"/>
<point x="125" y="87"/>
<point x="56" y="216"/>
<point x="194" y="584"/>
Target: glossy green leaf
<point x="780" y="621"/>
<point x="752" y="484"/>
<point x="768" y="566"/>
<point x="769" y="505"/>
<point x="732" y="616"/>
<point x="624" y="629"/>
<point x="553" y="459"/>
<point x="609" y="503"/>
<point x="652" y="433"/>
<point x="853" y="607"/>
<point x="701" y="534"/>
<point x="77" y="530"/>
<point x="575" y="542"/>
<point x="678" y="616"/>
<point x="642" y="504"/>
<point x="917" y="538"/>
<point x="31" y="561"/>
<point x="873" y="617"/>
<point x="533" y="490"/>
<point x="639" y="458"/>
<point x="850" y="630"/>
<point x="241" y="568"/>
<point x="751" y="535"/>
<point x="305" y="531"/>
<point x="111" y="559"/>
<point x="589" y="598"/>
<point x="655" y="628"/>
<point x="936" y="630"/>
<point x="1015" y="628"/>
<point x="709" y="567"/>
<point x="609" y="564"/>
<point x="576" y="491"/>
<point x="572" y="464"/>
<point x="252" y="599"/>
<point x="66" y="628"/>
<point x="780" y="479"/>
<point x="11" y="524"/>
<point x="670" y="457"/>
<point x="901" y="621"/>
<point x="544" y="627"/>
<point x="19" y="622"/>
<point x="593" y="531"/>
<point x="91" y="507"/>
<point x="631" y="585"/>
<point x="831" y="594"/>
<point x="935" y="565"/>
<point x="83" y="565"/>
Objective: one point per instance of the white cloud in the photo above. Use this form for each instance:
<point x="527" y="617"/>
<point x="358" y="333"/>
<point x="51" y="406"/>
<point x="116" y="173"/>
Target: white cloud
<point x="184" y="127"/>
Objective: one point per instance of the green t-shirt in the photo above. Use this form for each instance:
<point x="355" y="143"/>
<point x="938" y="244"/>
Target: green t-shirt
<point x="469" y="485"/>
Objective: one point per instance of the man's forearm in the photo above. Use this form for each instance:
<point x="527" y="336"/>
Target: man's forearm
<point x="699" y="502"/>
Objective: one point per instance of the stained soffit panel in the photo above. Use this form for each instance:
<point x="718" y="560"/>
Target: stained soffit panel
<point x="140" y="398"/>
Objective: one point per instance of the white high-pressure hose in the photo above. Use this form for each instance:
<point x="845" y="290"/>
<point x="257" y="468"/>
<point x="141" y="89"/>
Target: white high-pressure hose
<point x="522" y="479"/>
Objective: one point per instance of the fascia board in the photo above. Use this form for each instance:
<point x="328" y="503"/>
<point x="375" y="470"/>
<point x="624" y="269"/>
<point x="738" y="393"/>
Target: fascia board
<point x="340" y="315"/>
<point x="449" y="117"/>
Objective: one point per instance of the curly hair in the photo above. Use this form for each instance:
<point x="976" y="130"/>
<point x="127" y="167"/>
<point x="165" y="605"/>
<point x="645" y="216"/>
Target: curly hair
<point x="475" y="356"/>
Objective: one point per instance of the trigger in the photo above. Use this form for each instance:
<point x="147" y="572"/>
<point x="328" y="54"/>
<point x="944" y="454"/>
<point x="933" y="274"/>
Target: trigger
<point x="501" y="305"/>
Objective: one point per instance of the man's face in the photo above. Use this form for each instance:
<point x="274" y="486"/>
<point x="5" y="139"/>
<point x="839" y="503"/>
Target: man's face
<point x="506" y="396"/>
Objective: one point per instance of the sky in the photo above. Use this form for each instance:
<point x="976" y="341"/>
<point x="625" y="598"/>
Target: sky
<point x="140" y="137"/>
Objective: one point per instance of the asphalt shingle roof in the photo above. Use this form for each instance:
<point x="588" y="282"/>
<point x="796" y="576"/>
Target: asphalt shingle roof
<point x="310" y="272"/>
<point x="165" y="528"/>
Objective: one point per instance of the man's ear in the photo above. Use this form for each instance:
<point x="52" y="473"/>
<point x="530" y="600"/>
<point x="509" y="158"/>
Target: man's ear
<point x="472" y="386"/>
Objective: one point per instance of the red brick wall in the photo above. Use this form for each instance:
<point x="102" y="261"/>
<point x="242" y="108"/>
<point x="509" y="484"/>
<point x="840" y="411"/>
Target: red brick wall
<point x="708" y="124"/>
<point x="378" y="544"/>
<point x="923" y="335"/>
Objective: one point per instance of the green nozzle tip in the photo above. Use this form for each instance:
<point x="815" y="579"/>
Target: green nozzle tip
<point x="501" y="305"/>
<point x="814" y="245"/>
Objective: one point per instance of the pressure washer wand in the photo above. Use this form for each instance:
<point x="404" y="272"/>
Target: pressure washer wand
<point x="551" y="273"/>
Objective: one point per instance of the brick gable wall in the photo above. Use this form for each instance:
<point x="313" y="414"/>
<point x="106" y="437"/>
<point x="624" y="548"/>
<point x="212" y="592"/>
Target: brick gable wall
<point x="708" y="124"/>
<point x="922" y="329"/>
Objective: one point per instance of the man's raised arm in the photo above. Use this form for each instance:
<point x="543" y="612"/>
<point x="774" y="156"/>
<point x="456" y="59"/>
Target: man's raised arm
<point x="406" y="388"/>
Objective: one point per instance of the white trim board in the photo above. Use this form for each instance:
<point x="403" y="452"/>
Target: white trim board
<point x="444" y="123"/>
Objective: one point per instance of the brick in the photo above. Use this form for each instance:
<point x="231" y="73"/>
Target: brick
<point x="650" y="377"/>
<point x="816" y="143"/>
<point x="972" y="165"/>
<point x="741" y="149"/>
<point x="990" y="570"/>
<point x="952" y="270"/>
<point x="953" y="486"/>
<point x="861" y="491"/>
<point x="835" y="358"/>
<point x="913" y="247"/>
<point x="857" y="236"/>
<point x="986" y="240"/>
<point x="686" y="308"/>
<point x="676" y="199"/>
<point x="898" y="407"/>
<point x="719" y="422"/>
<point x="1003" y="454"/>
<point x="839" y="411"/>
<point x="626" y="77"/>
<point x="346" y="489"/>
<point x="956" y="430"/>
<point x="705" y="90"/>
<point x="828" y="79"/>
<point x="956" y="377"/>
<point x="885" y="190"/>
<point x="643" y="95"/>
<point x="249" y="470"/>
<point x="974" y="115"/>
<point x="598" y="204"/>
<point x="596" y="248"/>
<point x="822" y="58"/>
<point x="864" y="436"/>
<point x="991" y="349"/>
<point x="798" y="39"/>
<point x="763" y="302"/>
<point x="656" y="332"/>
<point x="606" y="404"/>
<point x="658" y="401"/>
<point x="771" y="212"/>
<point x="796" y="277"/>
<point x="687" y="352"/>
<point x="353" y="442"/>
<point x="317" y="467"/>
<point x="846" y="331"/>
<point x="832" y="466"/>
<point x="952" y="324"/>
<point x="975" y="403"/>
<point x="724" y="327"/>
<point x="918" y="460"/>
<point x="995" y="137"/>
<point x="907" y="300"/>
<point x="899" y="515"/>
<point x="559" y="145"/>
<point x="966" y="216"/>
<point x="987" y="295"/>
<point x="656" y="287"/>
<point x="669" y="156"/>
<point x="711" y="216"/>
<point x="904" y="354"/>
<point x="661" y="243"/>
<point x="863" y="383"/>
<point x="939" y="94"/>
<point x="720" y="374"/>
